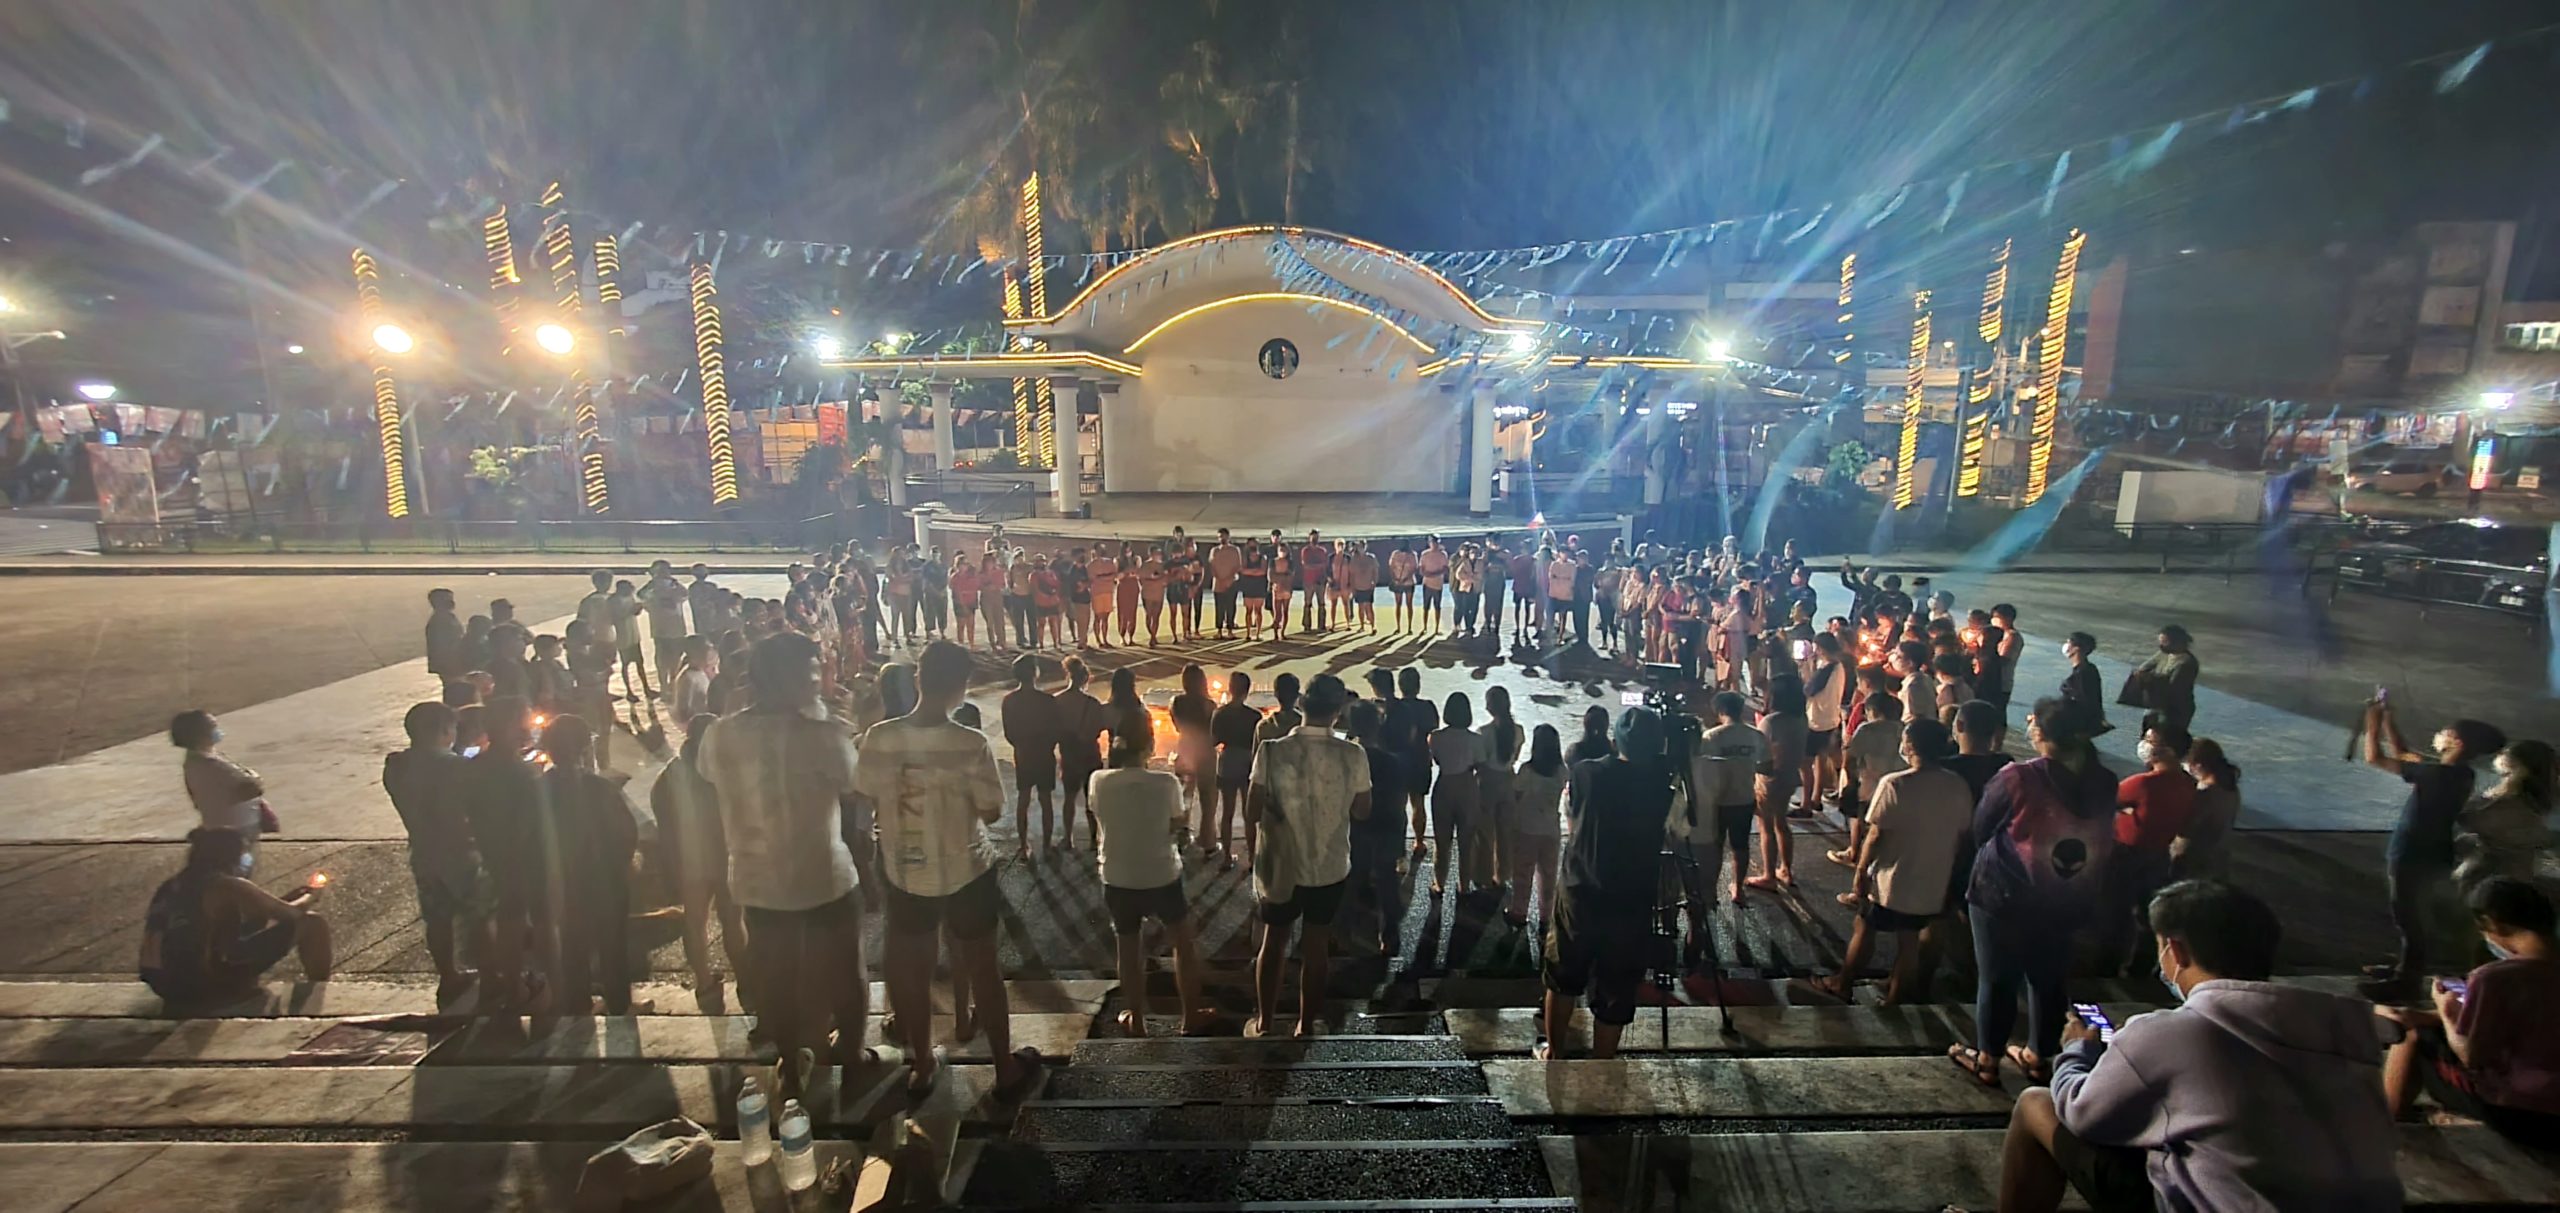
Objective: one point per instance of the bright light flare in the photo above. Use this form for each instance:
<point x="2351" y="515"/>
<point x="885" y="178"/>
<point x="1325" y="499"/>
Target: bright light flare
<point x="555" y="339"/>
<point x="7" y="305"/>
<point x="2497" y="401"/>
<point x="97" y="390"/>
<point x="1719" y="350"/>
<point x="826" y="348"/>
<point x="1522" y="343"/>
<point x="393" y="339"/>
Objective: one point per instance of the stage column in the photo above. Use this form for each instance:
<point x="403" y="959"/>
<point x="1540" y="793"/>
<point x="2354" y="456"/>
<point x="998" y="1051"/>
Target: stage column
<point x="1480" y="449"/>
<point x="1068" y="444"/>
<point x="945" y="446"/>
<point x="893" y="454"/>
<point x="1656" y="433"/>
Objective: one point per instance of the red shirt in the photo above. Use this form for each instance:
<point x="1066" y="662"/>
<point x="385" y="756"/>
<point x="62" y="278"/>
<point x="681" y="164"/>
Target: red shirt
<point x="2161" y="802"/>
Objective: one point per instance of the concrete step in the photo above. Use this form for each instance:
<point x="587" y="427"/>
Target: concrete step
<point x="1797" y="1031"/>
<point x="1275" y="1120"/>
<point x="1781" y="1088"/>
<point x="448" y="1102"/>
<point x="695" y="1039"/>
<point x="1858" y="1172"/>
<point x="1238" y="1050"/>
<point x="1315" y="1080"/>
<point x="346" y="997"/>
<point x="1025" y="1176"/>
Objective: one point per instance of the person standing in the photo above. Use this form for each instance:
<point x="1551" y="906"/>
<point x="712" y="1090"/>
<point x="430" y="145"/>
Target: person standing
<point x="963" y="579"/>
<point x="2203" y="849"/>
<point x="1018" y="582"/>
<point x="2043" y="832"/>
<point x="995" y="595"/>
<point x="784" y="773"/>
<point x="1503" y="739"/>
<point x="428" y="784"/>
<point x="1537" y="793"/>
<point x="1032" y="727"/>
<point x="1784" y="725"/>
<point x="1457" y="755"/>
<point x="1600" y="936"/>
<point x="2419" y="860"/>
<point x="1076" y="578"/>
<point x="1102" y="573"/>
<point x="705" y="603"/>
<point x="1233" y="727"/>
<point x="933" y="785"/>
<point x="1253" y="585"/>
<point x="1153" y="579"/>
<point x="1137" y="811"/>
<point x="1126" y="592"/>
<point x="2165" y="686"/>
<point x="664" y="599"/>
<point x="596" y="610"/>
<point x="1309" y="787"/>
<point x="1410" y="721"/>
<point x="1284" y="578"/>
<point x="695" y="852"/>
<point x="1496" y="574"/>
<point x="2154" y="806"/>
<point x="445" y="656"/>
<point x="1401" y="571"/>
<point x="1723" y="801"/>
<point x="1559" y="576"/>
<point x="1195" y="747"/>
<point x="1226" y="564"/>
<point x="1182" y="590"/>
<point x="1081" y="723"/>
<point x="625" y="605"/>
<point x="1466" y="579"/>
<point x="1918" y="822"/>
<point x="588" y="840"/>
<point x="226" y="795"/>
<point x="2082" y="695"/>
<point x="1315" y="579"/>
<point x="1048" y="604"/>
<point x="1377" y="840"/>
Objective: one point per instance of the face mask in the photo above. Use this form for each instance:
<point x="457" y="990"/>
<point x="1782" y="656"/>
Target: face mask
<point x="2142" y="753"/>
<point x="2499" y="952"/>
<point x="247" y="859"/>
<point x="2502" y="767"/>
<point x="2175" y="991"/>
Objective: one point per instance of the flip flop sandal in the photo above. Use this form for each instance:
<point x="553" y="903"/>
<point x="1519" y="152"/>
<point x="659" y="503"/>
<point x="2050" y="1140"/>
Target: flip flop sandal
<point x="2028" y="1064"/>
<point x="1982" y="1067"/>
<point x="920" y="1090"/>
<point x="1129" y="1023"/>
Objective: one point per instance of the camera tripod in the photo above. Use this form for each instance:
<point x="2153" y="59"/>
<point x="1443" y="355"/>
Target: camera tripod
<point x="1671" y="903"/>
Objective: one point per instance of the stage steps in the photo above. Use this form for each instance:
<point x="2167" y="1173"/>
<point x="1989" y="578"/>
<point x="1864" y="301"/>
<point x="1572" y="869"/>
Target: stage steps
<point x="1396" y="1121"/>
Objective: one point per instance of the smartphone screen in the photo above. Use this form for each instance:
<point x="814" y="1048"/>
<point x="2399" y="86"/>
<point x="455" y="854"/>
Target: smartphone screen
<point x="2456" y="986"/>
<point x="1804" y="649"/>
<point x="1631" y="699"/>
<point x="471" y="751"/>
<point x="2092" y="1015"/>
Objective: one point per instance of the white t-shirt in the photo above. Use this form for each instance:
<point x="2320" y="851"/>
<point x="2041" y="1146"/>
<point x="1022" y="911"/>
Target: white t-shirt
<point x="692" y="696"/>
<point x="1137" y="810"/>
<point x="1312" y="776"/>
<point x="597" y="611"/>
<point x="1728" y="756"/>
<point x="1920" y="820"/>
<point x="782" y="777"/>
<point x="1875" y="751"/>
<point x="1822" y="707"/>
<point x="932" y="784"/>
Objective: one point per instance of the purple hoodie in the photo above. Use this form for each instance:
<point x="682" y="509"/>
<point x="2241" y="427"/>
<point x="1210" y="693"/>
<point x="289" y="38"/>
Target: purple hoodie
<point x="2252" y="1096"/>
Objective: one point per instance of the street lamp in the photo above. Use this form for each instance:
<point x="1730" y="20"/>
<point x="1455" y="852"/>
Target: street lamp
<point x="1522" y="343"/>
<point x="393" y="339"/>
<point x="1719" y="350"/>
<point x="2497" y="402"/>
<point x="826" y="348"/>
<point x="555" y="339"/>
<point x="96" y="389"/>
<point x="295" y="348"/>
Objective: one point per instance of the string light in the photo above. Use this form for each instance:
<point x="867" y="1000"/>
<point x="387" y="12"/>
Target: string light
<point x="560" y="251"/>
<point x="1401" y="259"/>
<point x="2049" y="343"/>
<point x="386" y="398"/>
<point x="504" y="281"/>
<point x="609" y="282"/>
<point x="1848" y="296"/>
<point x="1915" y="374"/>
<point x="1977" y="421"/>
<point x="1023" y="442"/>
<point x="1277" y="296"/>
<point x="1035" y="299"/>
<point x="715" y="386"/>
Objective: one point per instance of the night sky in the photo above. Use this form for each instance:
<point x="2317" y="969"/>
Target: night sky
<point x="1428" y="124"/>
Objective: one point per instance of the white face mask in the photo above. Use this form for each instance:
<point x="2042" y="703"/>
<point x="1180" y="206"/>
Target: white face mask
<point x="2143" y="751"/>
<point x="2499" y="952"/>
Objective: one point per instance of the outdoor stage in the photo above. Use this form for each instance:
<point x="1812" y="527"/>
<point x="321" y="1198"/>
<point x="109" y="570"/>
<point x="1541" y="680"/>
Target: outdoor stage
<point x="1149" y="517"/>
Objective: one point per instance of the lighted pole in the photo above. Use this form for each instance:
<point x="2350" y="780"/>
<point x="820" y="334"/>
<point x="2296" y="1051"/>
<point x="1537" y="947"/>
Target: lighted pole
<point x="560" y="253"/>
<point x="1976" y="400"/>
<point x="714" y="377"/>
<point x="2049" y="343"/>
<point x="1035" y="298"/>
<point x="1915" y="376"/>
<point x="386" y="397"/>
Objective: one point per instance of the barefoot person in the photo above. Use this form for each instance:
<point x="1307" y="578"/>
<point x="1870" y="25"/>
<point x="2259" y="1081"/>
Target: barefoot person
<point x="1138" y="811"/>
<point x="1307" y="789"/>
<point x="932" y="784"/>
<point x="1032" y="728"/>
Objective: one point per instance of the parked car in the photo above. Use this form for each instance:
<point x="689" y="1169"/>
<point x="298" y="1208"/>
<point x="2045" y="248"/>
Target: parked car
<point x="2474" y="562"/>
<point x="2413" y="473"/>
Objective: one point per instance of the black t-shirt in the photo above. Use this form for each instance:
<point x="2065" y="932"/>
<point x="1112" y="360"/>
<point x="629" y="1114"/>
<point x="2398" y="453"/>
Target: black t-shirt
<point x="1978" y="769"/>
<point x="1233" y="725"/>
<point x="1385" y="822"/>
<point x="1620" y="808"/>
<point x="2424" y="834"/>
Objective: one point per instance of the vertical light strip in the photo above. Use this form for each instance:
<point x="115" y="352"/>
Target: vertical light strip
<point x="609" y="282"/>
<point x="560" y="254"/>
<point x="2049" y="343"/>
<point x="505" y="282"/>
<point x="386" y="398"/>
<point x="1915" y="374"/>
<point x="1977" y="420"/>
<point x="1848" y="313"/>
<point x="1035" y="297"/>
<point x="1024" y="419"/>
<point x="715" y="386"/>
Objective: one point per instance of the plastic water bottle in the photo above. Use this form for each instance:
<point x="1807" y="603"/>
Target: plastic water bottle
<point x="799" y="1162"/>
<point x="755" y="1126"/>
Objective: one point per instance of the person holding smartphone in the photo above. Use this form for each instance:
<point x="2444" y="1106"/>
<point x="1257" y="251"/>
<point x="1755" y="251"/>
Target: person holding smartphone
<point x="2486" y="1051"/>
<point x="211" y="935"/>
<point x="2248" y="1095"/>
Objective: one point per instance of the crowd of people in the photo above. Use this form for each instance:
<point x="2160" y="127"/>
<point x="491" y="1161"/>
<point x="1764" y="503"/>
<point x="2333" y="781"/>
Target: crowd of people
<point x="828" y="766"/>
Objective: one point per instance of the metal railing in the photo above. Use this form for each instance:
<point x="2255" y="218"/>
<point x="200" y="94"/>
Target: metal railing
<point x="455" y="536"/>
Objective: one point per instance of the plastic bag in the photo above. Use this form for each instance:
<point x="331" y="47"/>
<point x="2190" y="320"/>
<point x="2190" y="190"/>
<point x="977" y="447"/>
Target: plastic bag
<point x="651" y="1163"/>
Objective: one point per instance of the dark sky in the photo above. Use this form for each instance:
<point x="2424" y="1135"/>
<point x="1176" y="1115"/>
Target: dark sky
<point x="1424" y="123"/>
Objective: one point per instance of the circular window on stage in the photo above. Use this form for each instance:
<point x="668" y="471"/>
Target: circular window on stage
<point x="1279" y="358"/>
